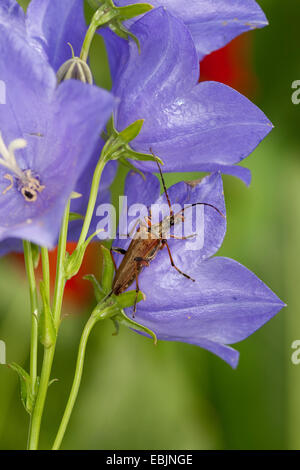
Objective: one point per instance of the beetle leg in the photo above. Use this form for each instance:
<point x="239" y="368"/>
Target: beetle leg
<point x="138" y="262"/>
<point x="142" y="261"/>
<point x="137" y="222"/>
<point x="116" y="250"/>
<point x="183" y="238"/>
<point x="173" y="264"/>
<point x="137" y="288"/>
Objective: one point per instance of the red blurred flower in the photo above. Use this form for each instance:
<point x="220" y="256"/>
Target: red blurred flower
<point x="231" y="65"/>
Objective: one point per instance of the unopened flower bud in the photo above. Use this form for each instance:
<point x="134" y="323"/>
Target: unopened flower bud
<point x="76" y="69"/>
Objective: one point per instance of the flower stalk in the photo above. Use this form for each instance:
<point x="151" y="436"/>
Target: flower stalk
<point x="100" y="313"/>
<point x="29" y="264"/>
<point x="35" y="422"/>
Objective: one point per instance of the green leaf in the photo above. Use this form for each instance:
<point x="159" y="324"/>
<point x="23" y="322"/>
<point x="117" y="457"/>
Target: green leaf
<point x="131" y="11"/>
<point x="132" y="131"/>
<point x="132" y="155"/>
<point x="35" y="250"/>
<point x="47" y="330"/>
<point x="126" y="321"/>
<point x="117" y="146"/>
<point x="75" y="216"/>
<point x="98" y="290"/>
<point x="25" y="387"/>
<point x="73" y="262"/>
<point x="117" y="327"/>
<point x="108" y="270"/>
<point x="127" y="299"/>
<point x="75" y="195"/>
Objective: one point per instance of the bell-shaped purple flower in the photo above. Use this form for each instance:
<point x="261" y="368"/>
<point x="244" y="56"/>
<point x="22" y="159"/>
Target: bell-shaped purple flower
<point x="48" y="135"/>
<point x="212" y="23"/>
<point x="225" y="304"/>
<point x="191" y="126"/>
<point x="52" y="24"/>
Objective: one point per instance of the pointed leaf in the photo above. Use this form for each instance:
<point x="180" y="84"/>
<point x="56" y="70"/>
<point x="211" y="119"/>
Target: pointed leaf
<point x="108" y="270"/>
<point x="128" y="299"/>
<point x="126" y="321"/>
<point x="75" y="216"/>
<point x="25" y="388"/>
<point x="75" y="195"/>
<point x="98" y="290"/>
<point x="35" y="250"/>
<point x="132" y="155"/>
<point x="131" y="11"/>
<point x="132" y="131"/>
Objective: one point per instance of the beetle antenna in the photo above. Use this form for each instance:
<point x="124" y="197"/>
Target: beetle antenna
<point x="164" y="184"/>
<point x="201" y="204"/>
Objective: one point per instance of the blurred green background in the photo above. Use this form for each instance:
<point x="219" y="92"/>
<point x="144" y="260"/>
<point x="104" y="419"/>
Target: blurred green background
<point x="176" y="396"/>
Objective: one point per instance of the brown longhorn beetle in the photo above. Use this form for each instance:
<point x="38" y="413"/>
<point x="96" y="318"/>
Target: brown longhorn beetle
<point x="146" y="243"/>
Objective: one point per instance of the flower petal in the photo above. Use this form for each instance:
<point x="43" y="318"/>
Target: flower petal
<point x="225" y="305"/>
<point x="166" y="68"/>
<point x="54" y="24"/>
<point x="11" y="245"/>
<point x="212" y="23"/>
<point x="240" y="172"/>
<point x="206" y="223"/>
<point x="61" y="134"/>
<point x="194" y="126"/>
<point x="211" y="124"/>
<point x="11" y="13"/>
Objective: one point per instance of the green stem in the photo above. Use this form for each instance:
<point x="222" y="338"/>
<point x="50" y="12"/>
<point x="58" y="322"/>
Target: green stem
<point x="88" y="42"/>
<point x="101" y="17"/>
<point x="46" y="269"/>
<point x="101" y="312"/>
<point x="49" y="352"/>
<point x="92" y="200"/>
<point x="34" y="313"/>
<point x="76" y="382"/>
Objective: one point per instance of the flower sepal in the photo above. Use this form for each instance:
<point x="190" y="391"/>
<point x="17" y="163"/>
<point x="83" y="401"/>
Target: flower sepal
<point x="122" y="319"/>
<point x="27" y="397"/>
<point x="117" y="144"/>
<point x="110" y="305"/>
<point x="73" y="262"/>
<point x="108" y="14"/>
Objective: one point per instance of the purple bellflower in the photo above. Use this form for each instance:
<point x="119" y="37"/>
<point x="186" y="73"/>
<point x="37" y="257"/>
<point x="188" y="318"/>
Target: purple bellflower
<point x="52" y="24"/>
<point x="191" y="126"/>
<point x="48" y="135"/>
<point x="212" y="23"/>
<point x="225" y="304"/>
